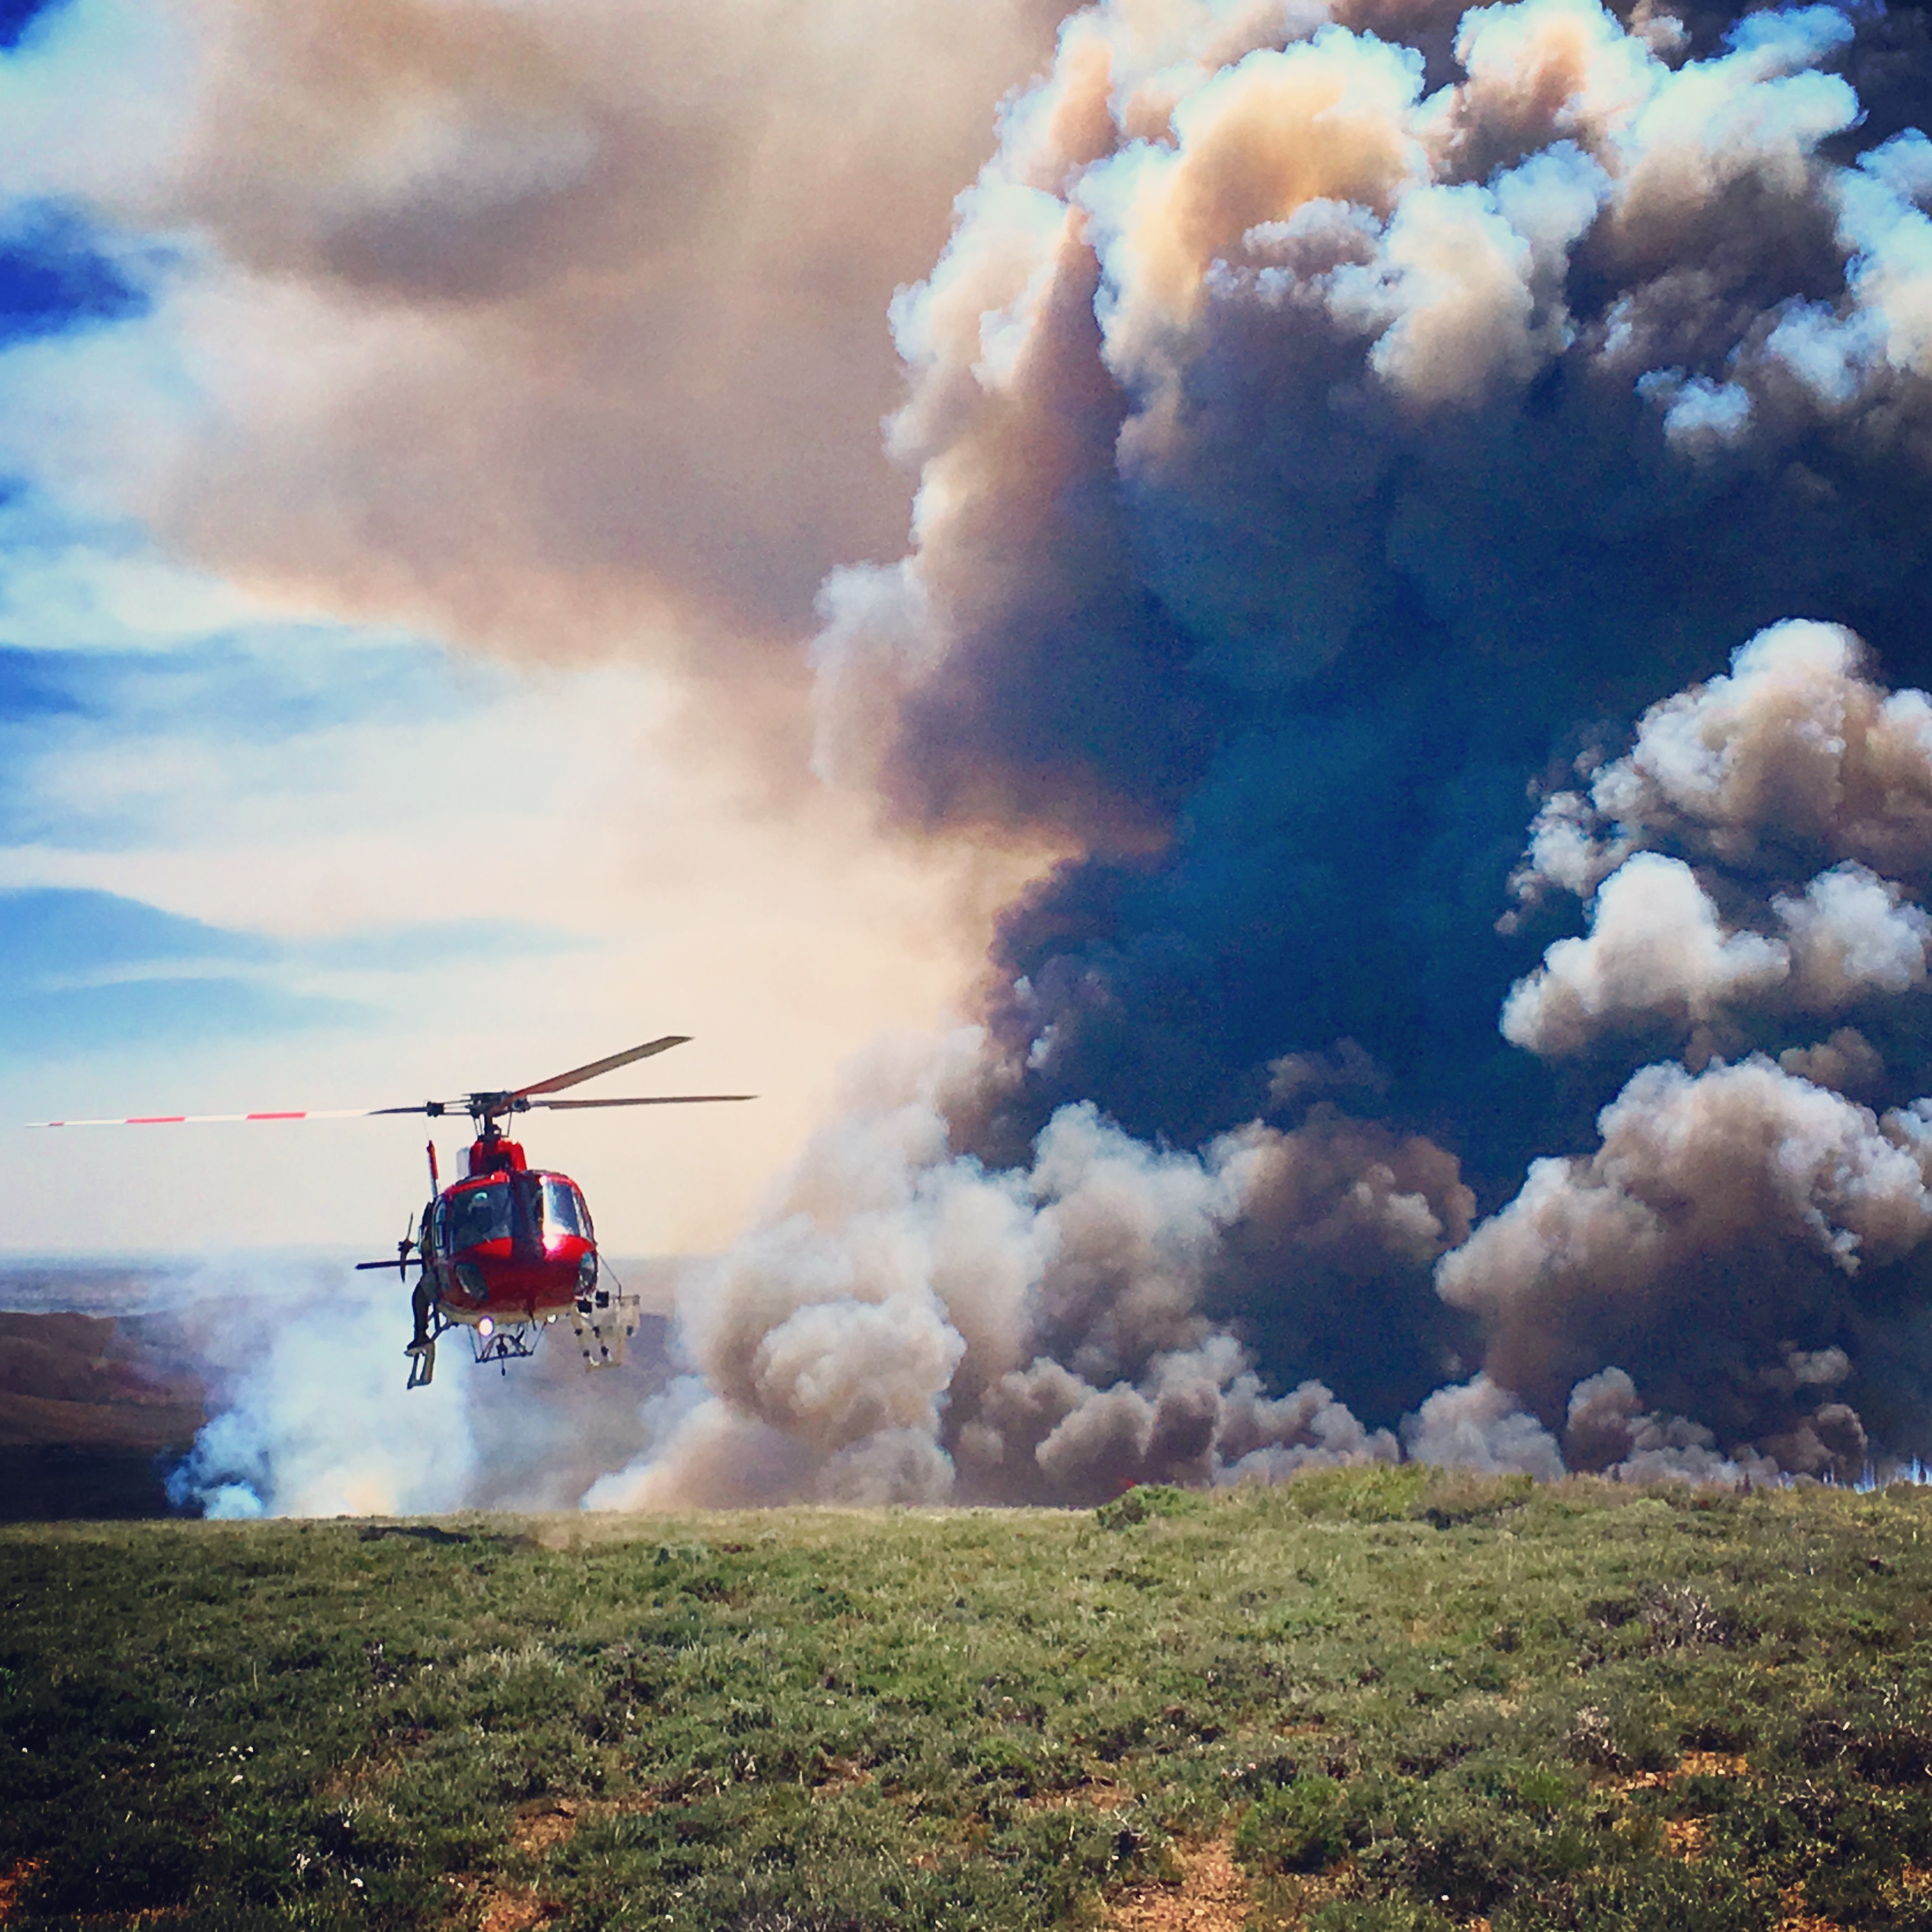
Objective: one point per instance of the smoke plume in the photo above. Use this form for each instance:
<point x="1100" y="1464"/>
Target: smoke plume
<point x="1427" y="506"/>
<point x="557" y="327"/>
<point x="1432" y="500"/>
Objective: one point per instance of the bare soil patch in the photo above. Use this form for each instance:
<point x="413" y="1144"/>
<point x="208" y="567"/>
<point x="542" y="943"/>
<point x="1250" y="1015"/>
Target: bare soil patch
<point x="1213" y="1894"/>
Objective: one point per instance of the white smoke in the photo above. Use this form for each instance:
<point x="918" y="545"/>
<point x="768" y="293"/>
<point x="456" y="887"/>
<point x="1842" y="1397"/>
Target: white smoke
<point x="1798" y="754"/>
<point x="305" y="1367"/>
<point x="1716" y="1196"/>
<point x="1657" y="949"/>
<point x="1200" y="192"/>
<point x="1850" y="935"/>
<point x="315" y="1419"/>
<point x="1478" y="1426"/>
<point x="1744" y="1161"/>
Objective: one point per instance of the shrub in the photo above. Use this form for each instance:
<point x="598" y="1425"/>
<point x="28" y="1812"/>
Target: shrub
<point x="1676" y="1617"/>
<point x="1657" y="1895"/>
<point x="1469" y="1853"/>
<point x="1301" y="1827"/>
<point x="1618" y="1739"/>
<point x="1452" y="1497"/>
<point x="1378" y="1914"/>
<point x="1383" y="1493"/>
<point x="1146" y="1500"/>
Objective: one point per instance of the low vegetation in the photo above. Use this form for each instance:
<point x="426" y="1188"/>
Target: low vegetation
<point x="1399" y="1699"/>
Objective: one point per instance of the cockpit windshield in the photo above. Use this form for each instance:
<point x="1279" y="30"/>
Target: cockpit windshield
<point x="563" y="1210"/>
<point x="480" y="1214"/>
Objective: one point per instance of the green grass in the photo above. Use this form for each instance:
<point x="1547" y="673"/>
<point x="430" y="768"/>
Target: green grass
<point x="1411" y="1699"/>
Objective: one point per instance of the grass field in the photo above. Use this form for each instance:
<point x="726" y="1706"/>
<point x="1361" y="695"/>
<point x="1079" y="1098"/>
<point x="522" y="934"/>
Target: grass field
<point x="1379" y="1698"/>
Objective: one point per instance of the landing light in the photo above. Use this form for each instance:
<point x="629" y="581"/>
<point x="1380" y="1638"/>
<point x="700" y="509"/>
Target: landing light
<point x="486" y="1327"/>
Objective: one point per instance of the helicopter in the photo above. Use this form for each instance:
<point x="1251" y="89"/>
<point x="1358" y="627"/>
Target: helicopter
<point x="507" y="1249"/>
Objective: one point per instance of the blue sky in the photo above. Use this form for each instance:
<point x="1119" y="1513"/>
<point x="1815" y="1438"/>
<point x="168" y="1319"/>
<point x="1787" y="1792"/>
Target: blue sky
<point x="123" y="741"/>
<point x="250" y="862"/>
<point x="247" y="862"/>
<point x="302" y="802"/>
<point x="17" y="16"/>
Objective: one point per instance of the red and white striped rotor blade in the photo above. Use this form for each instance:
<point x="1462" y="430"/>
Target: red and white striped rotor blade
<point x="204" y="1120"/>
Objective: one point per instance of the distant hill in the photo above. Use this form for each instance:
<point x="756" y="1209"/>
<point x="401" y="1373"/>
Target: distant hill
<point x="93" y="1408"/>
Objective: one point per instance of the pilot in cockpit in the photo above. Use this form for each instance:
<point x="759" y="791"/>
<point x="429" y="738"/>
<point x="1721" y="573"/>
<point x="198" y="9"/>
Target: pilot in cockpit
<point x="480" y="1214"/>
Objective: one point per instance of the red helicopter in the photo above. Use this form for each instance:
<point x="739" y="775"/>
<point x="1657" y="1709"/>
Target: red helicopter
<point x="509" y="1248"/>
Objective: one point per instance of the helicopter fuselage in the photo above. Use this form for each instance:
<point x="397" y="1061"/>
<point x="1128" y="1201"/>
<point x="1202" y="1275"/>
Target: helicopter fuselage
<point x="508" y="1243"/>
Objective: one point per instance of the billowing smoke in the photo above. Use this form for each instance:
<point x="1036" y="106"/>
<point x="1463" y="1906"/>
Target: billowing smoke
<point x="304" y="1369"/>
<point x="1435" y="505"/>
<point x="309" y="1422"/>
<point x="1427" y="506"/>
<point x="904" y="1323"/>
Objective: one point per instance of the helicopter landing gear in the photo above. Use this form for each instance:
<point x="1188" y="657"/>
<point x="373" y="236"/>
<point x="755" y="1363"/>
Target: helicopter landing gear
<point x="605" y="1321"/>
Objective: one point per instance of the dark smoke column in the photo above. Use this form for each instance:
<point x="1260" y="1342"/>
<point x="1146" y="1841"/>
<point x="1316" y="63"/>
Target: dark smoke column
<point x="1336" y="426"/>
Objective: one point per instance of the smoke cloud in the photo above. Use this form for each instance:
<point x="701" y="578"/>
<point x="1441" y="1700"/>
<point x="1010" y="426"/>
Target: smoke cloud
<point x="558" y="327"/>
<point x="305" y="1369"/>
<point x="1425" y="507"/>
<point x="1333" y="425"/>
<point x="906" y="1325"/>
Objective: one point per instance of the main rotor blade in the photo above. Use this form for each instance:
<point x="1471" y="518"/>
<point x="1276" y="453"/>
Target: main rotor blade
<point x="557" y="1082"/>
<point x="652" y="1100"/>
<point x="206" y="1119"/>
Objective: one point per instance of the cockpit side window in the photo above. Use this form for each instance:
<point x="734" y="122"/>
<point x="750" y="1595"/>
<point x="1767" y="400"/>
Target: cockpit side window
<point x="564" y="1211"/>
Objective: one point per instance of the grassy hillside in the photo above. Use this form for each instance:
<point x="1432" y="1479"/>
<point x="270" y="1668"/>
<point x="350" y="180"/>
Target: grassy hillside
<point x="1369" y="1699"/>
